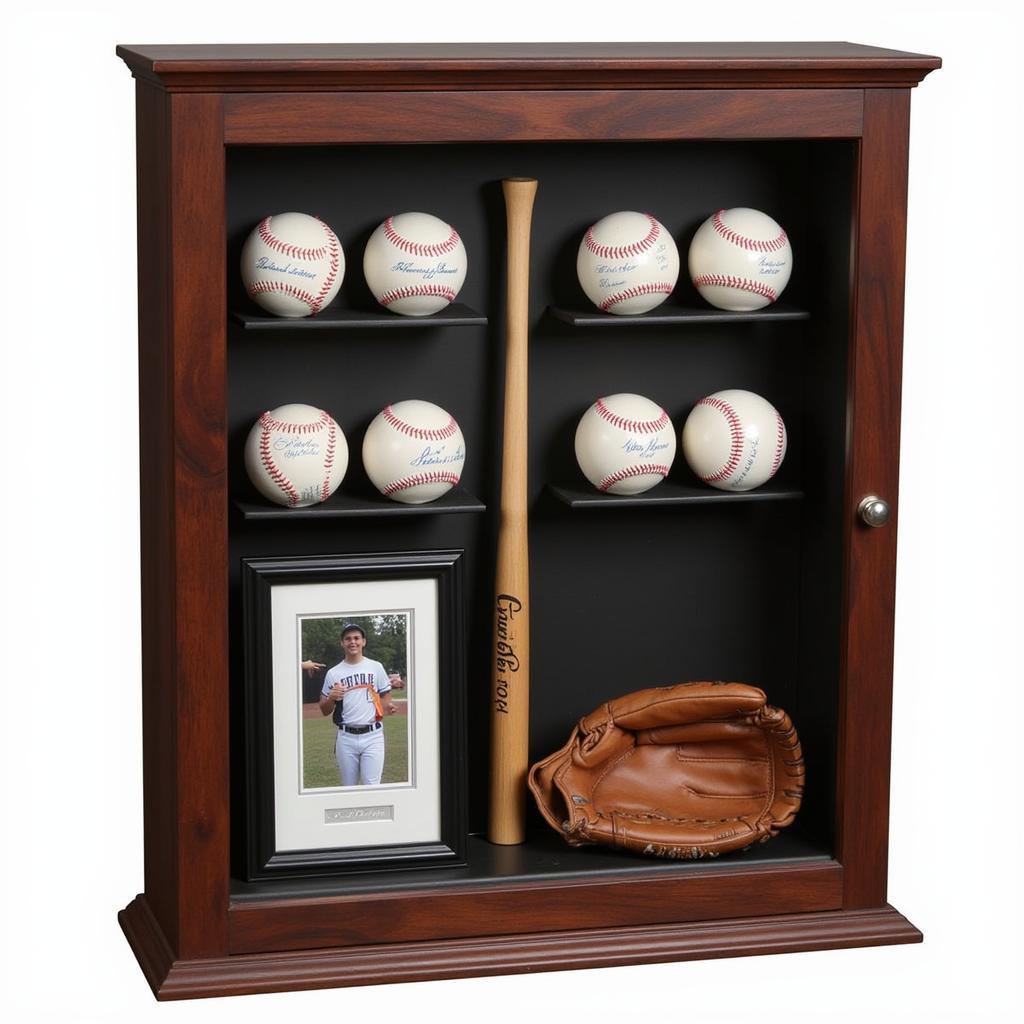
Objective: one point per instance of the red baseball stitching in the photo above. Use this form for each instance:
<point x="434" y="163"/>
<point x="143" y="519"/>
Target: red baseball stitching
<point x="332" y="272"/>
<point x="743" y="283"/>
<point x="618" y="252"/>
<point x="440" y="476"/>
<point x="325" y="490"/>
<point x="634" y="426"/>
<point x="736" y="443"/>
<point x="315" y="427"/>
<point x="431" y="290"/>
<point x="422" y="433"/>
<point x="263" y="287"/>
<point x="286" y="486"/>
<point x="286" y="248"/>
<point x="419" y="248"/>
<point x="780" y="440"/>
<point x="631" y="471"/>
<point x="632" y="293"/>
<point x="744" y="241"/>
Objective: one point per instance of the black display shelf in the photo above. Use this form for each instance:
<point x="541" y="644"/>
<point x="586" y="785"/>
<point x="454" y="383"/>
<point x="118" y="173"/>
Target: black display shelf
<point x="543" y="857"/>
<point x="668" y="314"/>
<point x="582" y="496"/>
<point x="342" y="318"/>
<point x="358" y="506"/>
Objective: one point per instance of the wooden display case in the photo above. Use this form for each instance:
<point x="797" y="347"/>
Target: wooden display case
<point x="785" y="587"/>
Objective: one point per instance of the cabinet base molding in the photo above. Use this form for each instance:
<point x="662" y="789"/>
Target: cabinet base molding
<point x="515" y="954"/>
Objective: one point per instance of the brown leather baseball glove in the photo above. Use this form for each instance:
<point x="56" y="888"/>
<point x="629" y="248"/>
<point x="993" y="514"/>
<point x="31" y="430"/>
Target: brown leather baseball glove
<point x="683" y="771"/>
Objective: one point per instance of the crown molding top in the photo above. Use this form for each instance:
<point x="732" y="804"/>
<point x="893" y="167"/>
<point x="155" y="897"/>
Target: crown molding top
<point x="497" y="66"/>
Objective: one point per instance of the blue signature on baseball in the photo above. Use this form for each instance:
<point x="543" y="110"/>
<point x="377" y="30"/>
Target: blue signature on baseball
<point x="427" y="273"/>
<point x="266" y="263"/>
<point x="438" y="456"/>
<point x="293" y="448"/>
<point x="644" y="451"/>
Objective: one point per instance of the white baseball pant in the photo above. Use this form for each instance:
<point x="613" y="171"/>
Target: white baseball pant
<point x="360" y="754"/>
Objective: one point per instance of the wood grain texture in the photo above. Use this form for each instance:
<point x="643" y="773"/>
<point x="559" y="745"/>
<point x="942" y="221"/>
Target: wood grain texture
<point x="182" y="360"/>
<point x="518" y="954"/>
<point x="872" y="468"/>
<point x="157" y="521"/>
<point x="200" y="484"/>
<point x="320" y="118"/>
<point x="533" y="907"/>
<point x="522" y="66"/>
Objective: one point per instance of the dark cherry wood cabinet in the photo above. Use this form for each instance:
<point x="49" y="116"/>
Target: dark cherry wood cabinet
<point x="793" y="593"/>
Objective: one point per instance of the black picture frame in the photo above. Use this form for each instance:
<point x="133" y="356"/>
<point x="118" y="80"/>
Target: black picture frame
<point x="265" y="859"/>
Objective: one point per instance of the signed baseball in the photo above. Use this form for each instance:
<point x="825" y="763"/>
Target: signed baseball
<point x="414" y="452"/>
<point x="734" y="440"/>
<point x="292" y="264"/>
<point x="627" y="263"/>
<point x="415" y="264"/>
<point x="740" y="259"/>
<point x="296" y="455"/>
<point x="625" y="444"/>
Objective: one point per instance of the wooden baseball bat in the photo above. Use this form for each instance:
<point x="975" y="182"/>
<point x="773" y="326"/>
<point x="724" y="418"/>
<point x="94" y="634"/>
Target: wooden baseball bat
<point x="510" y="681"/>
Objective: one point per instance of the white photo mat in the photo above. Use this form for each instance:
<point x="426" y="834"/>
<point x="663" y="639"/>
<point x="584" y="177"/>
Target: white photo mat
<point x="356" y="816"/>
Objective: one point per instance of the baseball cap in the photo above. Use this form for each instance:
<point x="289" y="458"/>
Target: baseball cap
<point x="349" y="626"/>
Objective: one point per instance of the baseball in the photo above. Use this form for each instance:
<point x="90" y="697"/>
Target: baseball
<point x="740" y="259"/>
<point x="292" y="264"/>
<point x="296" y="455"/>
<point x="625" y="444"/>
<point x="415" y="264"/>
<point x="414" y="452"/>
<point x="734" y="440"/>
<point x="627" y="263"/>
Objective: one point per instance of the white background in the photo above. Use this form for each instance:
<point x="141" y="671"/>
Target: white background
<point x="71" y="833"/>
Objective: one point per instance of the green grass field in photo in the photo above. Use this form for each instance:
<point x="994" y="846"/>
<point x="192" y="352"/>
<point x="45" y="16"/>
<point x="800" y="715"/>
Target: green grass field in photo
<point x="319" y="767"/>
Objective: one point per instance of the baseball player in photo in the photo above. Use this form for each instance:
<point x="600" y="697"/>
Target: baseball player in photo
<point x="357" y="693"/>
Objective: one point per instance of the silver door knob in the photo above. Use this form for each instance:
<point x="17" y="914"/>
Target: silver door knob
<point x="874" y="510"/>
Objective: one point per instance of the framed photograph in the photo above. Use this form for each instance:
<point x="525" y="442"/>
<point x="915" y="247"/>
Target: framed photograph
<point x="354" y="709"/>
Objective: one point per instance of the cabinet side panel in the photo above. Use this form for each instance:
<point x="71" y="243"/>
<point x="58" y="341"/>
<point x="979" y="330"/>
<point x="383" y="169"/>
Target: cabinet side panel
<point x="184" y="516"/>
<point x="200" y="506"/>
<point x="873" y="468"/>
<point x="159" y="718"/>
